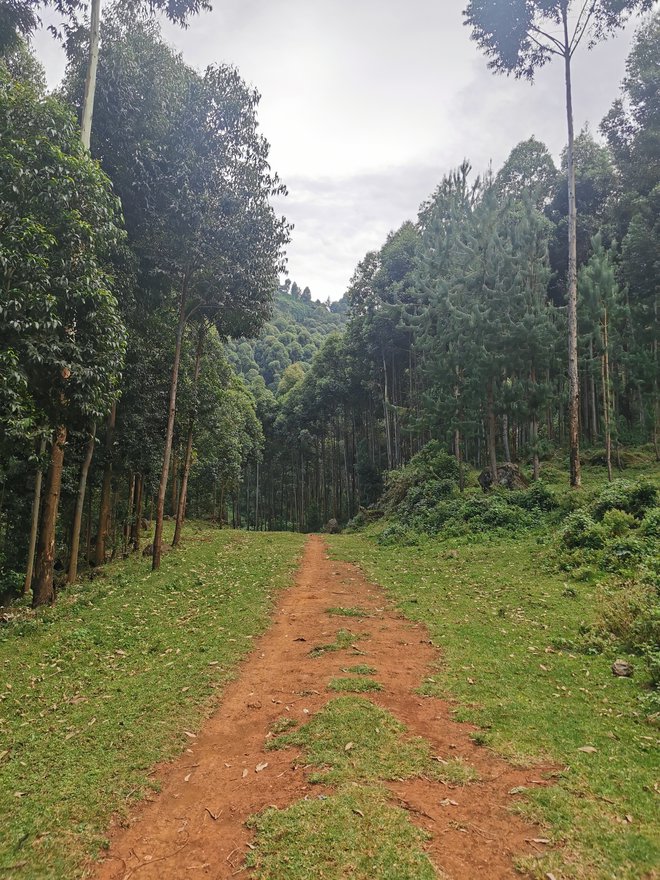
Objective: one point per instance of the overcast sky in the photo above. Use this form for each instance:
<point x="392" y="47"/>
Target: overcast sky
<point x="367" y="103"/>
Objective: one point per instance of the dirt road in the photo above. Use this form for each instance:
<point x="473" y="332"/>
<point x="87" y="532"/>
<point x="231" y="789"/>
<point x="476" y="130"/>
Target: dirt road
<point x="195" y="826"/>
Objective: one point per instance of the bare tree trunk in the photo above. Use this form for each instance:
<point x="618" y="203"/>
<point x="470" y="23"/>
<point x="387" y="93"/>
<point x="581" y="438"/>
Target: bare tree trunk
<point x="592" y="396"/>
<point x="72" y="573"/>
<point x="90" y="79"/>
<point x="187" y="461"/>
<point x="34" y="524"/>
<point x="106" y="490"/>
<point x="136" y="524"/>
<point x="573" y="378"/>
<point x="43" y="592"/>
<point x="129" y="513"/>
<point x="457" y="453"/>
<point x="492" y="442"/>
<point x="88" y="526"/>
<point x="505" y="438"/>
<point x="606" y="398"/>
<point x="162" y="488"/>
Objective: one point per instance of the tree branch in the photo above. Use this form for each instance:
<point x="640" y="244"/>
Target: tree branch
<point x="560" y="46"/>
<point x="580" y="29"/>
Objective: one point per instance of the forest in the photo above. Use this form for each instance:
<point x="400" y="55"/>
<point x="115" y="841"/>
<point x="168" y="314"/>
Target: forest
<point x="485" y="389"/>
<point x="454" y="330"/>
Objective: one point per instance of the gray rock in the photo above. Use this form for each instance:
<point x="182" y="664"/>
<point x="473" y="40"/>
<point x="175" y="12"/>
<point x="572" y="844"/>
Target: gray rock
<point x="622" y="668"/>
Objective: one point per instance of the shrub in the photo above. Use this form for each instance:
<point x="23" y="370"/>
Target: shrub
<point x="650" y="527"/>
<point x="538" y="497"/>
<point x="580" y="531"/>
<point x="633" y="498"/>
<point x="617" y="523"/>
<point x="623" y="553"/>
<point x="397" y="533"/>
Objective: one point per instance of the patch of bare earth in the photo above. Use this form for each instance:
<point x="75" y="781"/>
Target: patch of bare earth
<point x="195" y="826"/>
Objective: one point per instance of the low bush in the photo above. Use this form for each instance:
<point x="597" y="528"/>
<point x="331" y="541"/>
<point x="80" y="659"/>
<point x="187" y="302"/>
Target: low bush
<point x="580" y="532"/>
<point x="635" y="498"/>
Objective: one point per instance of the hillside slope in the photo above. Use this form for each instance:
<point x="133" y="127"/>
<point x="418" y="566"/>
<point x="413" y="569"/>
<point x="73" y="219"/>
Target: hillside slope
<point x="295" y="333"/>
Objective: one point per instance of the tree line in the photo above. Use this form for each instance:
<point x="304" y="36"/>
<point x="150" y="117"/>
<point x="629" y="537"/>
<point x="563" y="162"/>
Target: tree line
<point x="126" y="271"/>
<point x="457" y="326"/>
<point x="123" y="272"/>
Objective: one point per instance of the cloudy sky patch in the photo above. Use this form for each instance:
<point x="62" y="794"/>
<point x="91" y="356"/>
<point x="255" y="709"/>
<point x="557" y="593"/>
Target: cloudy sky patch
<point x="367" y="103"/>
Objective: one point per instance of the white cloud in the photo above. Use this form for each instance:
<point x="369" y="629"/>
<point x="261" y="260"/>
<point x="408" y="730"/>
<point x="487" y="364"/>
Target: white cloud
<point x="367" y="103"/>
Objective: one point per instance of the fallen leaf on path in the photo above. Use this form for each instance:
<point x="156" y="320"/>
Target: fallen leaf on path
<point x="448" y="802"/>
<point x="261" y="767"/>
<point x="587" y="749"/>
<point x="187" y="778"/>
<point x="245" y="773"/>
<point x="214" y="816"/>
<point x="191" y="735"/>
<point x="537" y="840"/>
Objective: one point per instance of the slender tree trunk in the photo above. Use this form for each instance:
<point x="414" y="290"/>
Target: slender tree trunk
<point x="592" y="395"/>
<point x="162" y="488"/>
<point x="457" y="453"/>
<point x="256" y="500"/>
<point x="136" y="524"/>
<point x="573" y="378"/>
<point x="90" y="79"/>
<point x="43" y="592"/>
<point x="80" y="503"/>
<point x="606" y="398"/>
<point x="187" y="461"/>
<point x="106" y="490"/>
<point x="34" y="524"/>
<point x="128" y="522"/>
<point x="88" y="526"/>
<point x="492" y="433"/>
<point x="505" y="438"/>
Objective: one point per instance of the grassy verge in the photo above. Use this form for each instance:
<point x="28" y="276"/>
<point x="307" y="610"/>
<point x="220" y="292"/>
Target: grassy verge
<point x="99" y="688"/>
<point x="497" y="607"/>
<point x="354" y="831"/>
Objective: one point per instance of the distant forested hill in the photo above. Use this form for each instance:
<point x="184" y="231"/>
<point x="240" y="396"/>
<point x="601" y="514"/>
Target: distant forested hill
<point x="295" y="333"/>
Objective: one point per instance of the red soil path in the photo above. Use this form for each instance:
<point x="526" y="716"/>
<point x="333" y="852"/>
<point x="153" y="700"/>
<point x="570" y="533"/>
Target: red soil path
<point x="195" y="827"/>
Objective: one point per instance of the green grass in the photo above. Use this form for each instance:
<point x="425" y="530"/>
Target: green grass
<point x="348" y="612"/>
<point x="498" y="608"/>
<point x="282" y="725"/>
<point x="105" y="684"/>
<point x="345" y="640"/>
<point x="354" y="685"/>
<point x="352" y="740"/>
<point x="353" y="834"/>
<point x="361" y="669"/>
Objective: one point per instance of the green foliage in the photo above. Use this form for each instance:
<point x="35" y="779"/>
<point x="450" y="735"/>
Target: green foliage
<point x="634" y="498"/>
<point x="580" y="531"/>
<point x="60" y="331"/>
